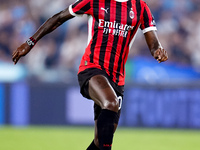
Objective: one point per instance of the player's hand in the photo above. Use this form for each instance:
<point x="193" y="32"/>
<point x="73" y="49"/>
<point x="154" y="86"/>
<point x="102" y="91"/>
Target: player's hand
<point x="160" y="55"/>
<point x="21" y="51"/>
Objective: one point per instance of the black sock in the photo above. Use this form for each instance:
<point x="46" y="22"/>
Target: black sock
<point x="105" y="128"/>
<point x="92" y="146"/>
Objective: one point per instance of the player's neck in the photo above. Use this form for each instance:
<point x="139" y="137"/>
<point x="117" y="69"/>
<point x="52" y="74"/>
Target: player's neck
<point x="121" y="0"/>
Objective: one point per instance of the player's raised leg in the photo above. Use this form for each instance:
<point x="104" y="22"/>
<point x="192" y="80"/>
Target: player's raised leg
<point x="104" y="95"/>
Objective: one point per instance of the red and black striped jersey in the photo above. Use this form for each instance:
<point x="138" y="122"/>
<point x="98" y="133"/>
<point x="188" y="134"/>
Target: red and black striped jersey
<point x="111" y="30"/>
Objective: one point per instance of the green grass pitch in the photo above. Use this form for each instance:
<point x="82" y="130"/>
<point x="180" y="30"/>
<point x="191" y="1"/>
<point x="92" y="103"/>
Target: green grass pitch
<point x="78" y="138"/>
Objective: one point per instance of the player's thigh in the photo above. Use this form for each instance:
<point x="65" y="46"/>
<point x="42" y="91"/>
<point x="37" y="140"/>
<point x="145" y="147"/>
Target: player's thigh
<point x="101" y="91"/>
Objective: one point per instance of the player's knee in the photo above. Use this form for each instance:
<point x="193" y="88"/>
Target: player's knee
<point x="112" y="105"/>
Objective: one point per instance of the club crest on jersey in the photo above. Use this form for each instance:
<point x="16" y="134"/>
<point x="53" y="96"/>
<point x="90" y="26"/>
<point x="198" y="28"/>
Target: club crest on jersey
<point x="131" y="14"/>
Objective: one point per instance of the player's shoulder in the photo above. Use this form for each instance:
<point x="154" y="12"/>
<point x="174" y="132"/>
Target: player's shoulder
<point x="143" y="3"/>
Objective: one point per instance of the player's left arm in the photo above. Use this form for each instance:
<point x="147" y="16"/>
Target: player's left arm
<point x="155" y="47"/>
<point x="148" y="26"/>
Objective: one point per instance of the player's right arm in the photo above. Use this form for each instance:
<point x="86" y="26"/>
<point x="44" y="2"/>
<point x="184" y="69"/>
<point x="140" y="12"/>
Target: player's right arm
<point x="50" y="25"/>
<point x="78" y="8"/>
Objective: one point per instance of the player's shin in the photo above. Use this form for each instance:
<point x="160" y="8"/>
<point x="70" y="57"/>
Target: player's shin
<point x="105" y="128"/>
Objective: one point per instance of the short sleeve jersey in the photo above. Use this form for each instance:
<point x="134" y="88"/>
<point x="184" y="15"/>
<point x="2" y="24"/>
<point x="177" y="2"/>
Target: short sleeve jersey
<point x="112" y="25"/>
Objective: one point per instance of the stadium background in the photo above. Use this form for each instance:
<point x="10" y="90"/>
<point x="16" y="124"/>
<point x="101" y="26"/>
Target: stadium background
<point x="42" y="88"/>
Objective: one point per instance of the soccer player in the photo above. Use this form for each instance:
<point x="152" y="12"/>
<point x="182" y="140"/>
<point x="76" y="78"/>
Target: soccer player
<point x="112" y="28"/>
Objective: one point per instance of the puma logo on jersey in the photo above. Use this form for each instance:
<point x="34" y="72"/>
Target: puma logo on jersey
<point x="106" y="10"/>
